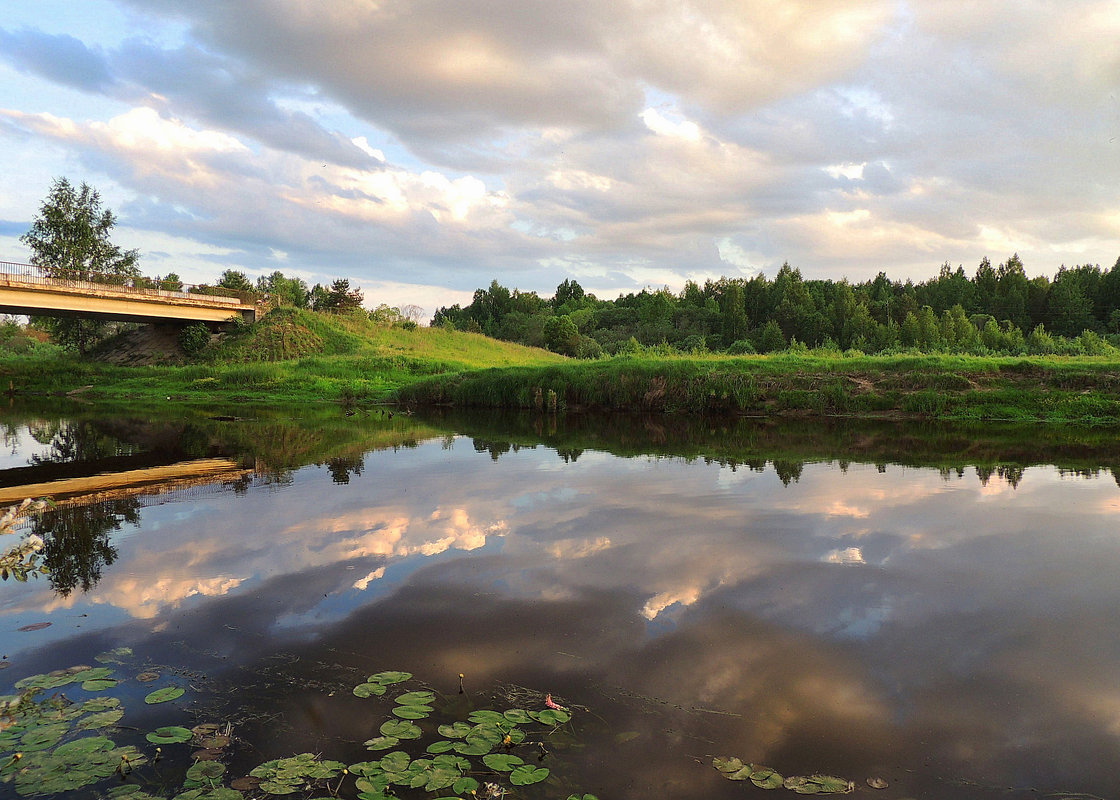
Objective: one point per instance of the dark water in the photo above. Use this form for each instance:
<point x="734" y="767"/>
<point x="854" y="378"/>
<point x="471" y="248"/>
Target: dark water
<point x="934" y="607"/>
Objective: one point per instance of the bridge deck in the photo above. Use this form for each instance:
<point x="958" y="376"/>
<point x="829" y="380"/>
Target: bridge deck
<point x="24" y="290"/>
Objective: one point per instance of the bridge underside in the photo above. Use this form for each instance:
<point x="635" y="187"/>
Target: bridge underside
<point x="60" y="302"/>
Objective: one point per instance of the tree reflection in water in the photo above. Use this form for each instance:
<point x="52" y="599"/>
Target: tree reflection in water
<point x="76" y="541"/>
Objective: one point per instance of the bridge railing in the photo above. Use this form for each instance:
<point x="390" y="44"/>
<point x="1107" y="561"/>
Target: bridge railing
<point x="14" y="272"/>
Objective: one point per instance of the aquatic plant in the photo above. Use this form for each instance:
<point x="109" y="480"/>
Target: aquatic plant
<point x="23" y="559"/>
<point x="734" y="769"/>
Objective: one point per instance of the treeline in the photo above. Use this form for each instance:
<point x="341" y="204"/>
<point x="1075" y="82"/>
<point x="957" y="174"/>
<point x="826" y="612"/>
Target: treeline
<point x="995" y="310"/>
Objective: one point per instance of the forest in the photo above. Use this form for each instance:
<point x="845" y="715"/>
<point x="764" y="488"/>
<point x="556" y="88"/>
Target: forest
<point x="996" y="310"/>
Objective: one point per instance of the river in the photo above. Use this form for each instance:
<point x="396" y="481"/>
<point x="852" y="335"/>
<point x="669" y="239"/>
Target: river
<point x="928" y="610"/>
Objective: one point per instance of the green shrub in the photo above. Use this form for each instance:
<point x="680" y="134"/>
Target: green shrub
<point x="193" y="339"/>
<point x="742" y="347"/>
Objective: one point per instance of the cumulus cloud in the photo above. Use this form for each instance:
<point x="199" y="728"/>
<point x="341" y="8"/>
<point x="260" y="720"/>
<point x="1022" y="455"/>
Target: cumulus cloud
<point x="439" y="145"/>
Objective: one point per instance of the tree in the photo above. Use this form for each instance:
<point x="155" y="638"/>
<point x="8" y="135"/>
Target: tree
<point x="69" y="240"/>
<point x="284" y="291"/>
<point x="343" y="298"/>
<point x="236" y="280"/>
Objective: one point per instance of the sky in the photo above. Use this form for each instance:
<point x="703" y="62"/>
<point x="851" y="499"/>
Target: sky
<point x="423" y="149"/>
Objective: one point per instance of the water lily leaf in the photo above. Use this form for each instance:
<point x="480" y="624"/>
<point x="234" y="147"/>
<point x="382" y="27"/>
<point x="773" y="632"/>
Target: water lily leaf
<point x="114" y="656"/>
<point x="216" y="793"/>
<point x="492" y="717"/>
<point x="43" y="737"/>
<point x="502" y="762"/>
<point x="877" y="783"/>
<point x="164" y="695"/>
<point x="401" y="729"/>
<point x="442" y="746"/>
<point x="93" y="674"/>
<point x="382" y="742"/>
<point x="829" y="784"/>
<point x="473" y="747"/>
<point x="801" y="785"/>
<point x="99" y="685"/>
<point x="456" y="730"/>
<point x="147" y="676"/>
<point x="169" y="735"/>
<point x="97" y="704"/>
<point x="206" y="770"/>
<point x="102" y="719"/>
<point x="276" y="787"/>
<point x="416" y="698"/>
<point x="527" y="774"/>
<point x="366" y="768"/>
<point x="369" y="690"/>
<point x="391" y="677"/>
<point x="551" y="716"/>
<point x="83" y="747"/>
<point x="465" y="785"/>
<point x="765" y="778"/>
<point x="518" y="716"/>
<point x="397" y="761"/>
<point x="412" y="712"/>
<point x="728" y="765"/>
<point x="488" y="731"/>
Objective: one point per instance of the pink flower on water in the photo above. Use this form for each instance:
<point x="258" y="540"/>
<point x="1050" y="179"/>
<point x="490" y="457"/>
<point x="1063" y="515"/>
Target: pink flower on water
<point x="548" y="701"/>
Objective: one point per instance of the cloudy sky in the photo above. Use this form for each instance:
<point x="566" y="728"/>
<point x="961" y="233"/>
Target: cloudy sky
<point x="422" y="149"/>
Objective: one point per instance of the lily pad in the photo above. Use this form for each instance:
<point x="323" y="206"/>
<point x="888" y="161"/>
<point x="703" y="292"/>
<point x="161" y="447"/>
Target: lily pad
<point x="169" y="735"/>
<point x="527" y="774"/>
<point x="401" y="729"/>
<point x="412" y="712"/>
<point x="487" y="716"/>
<point x="416" y="698"/>
<point x="114" y="656"/>
<point x="465" y="785"/>
<point x="99" y="685"/>
<point x="390" y="677"/>
<point x="102" y="719"/>
<point x="164" y="695"/>
<point x="551" y="716"/>
<point x="456" y="730"/>
<point x="382" y="742"/>
<point x="206" y="770"/>
<point x="369" y="690"/>
<point x="443" y="746"/>
<point x="765" y="778"/>
<point x="518" y="716"/>
<point x="43" y="736"/>
<point x="502" y="762"/>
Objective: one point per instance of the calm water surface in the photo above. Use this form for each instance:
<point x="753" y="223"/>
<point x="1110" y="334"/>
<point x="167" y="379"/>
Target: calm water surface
<point x="951" y="630"/>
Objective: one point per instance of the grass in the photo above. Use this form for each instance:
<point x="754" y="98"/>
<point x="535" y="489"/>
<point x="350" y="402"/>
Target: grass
<point x="301" y="356"/>
<point x="290" y="356"/>
<point x="1050" y="389"/>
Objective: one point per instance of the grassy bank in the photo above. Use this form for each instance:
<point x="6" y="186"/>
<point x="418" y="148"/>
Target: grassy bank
<point x="302" y="356"/>
<point x="1085" y="390"/>
<point x="290" y="356"/>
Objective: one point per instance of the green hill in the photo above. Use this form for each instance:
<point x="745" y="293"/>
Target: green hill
<point x="290" y="354"/>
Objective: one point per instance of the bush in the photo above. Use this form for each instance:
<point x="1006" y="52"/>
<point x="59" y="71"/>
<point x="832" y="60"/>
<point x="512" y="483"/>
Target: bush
<point x="193" y="339"/>
<point x="742" y="347"/>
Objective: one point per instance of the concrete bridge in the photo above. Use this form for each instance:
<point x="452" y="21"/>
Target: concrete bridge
<point x="24" y="289"/>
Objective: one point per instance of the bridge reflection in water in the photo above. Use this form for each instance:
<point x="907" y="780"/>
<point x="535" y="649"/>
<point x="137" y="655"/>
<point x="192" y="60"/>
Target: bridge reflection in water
<point x="79" y="483"/>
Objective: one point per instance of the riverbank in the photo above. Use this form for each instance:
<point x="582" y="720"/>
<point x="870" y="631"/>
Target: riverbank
<point x="1082" y="390"/>
<point x="295" y="356"/>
